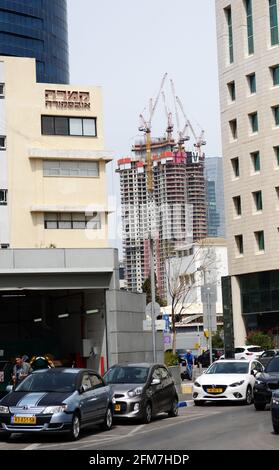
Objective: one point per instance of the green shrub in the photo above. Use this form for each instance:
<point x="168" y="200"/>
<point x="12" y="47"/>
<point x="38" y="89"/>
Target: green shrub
<point x="260" y="338"/>
<point x="170" y="359"/>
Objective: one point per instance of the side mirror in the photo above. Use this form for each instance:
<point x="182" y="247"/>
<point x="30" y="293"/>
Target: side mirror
<point x="9" y="388"/>
<point x="155" y="382"/>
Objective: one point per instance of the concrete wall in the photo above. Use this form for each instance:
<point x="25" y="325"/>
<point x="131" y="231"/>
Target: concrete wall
<point x="126" y="340"/>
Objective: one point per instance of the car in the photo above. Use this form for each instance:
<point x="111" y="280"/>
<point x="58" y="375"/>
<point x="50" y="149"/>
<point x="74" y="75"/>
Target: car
<point x="204" y="358"/>
<point x="227" y="379"/>
<point x="6" y="369"/>
<point x="57" y="400"/>
<point x="266" y="383"/>
<point x="246" y="352"/>
<point x="142" y="390"/>
<point x="274" y="406"/>
<point x="268" y="355"/>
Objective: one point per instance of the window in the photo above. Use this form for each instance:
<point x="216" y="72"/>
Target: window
<point x="259" y="237"/>
<point x="228" y="13"/>
<point x="276" y="114"/>
<point x="256" y="161"/>
<point x="237" y="205"/>
<point x="253" y="118"/>
<point x="61" y="125"/>
<point x="69" y="168"/>
<point x="277" y="193"/>
<point x="231" y="88"/>
<point x="2" y="143"/>
<point x="275" y="74"/>
<point x="3" y="197"/>
<point x="235" y="166"/>
<point x="251" y="78"/>
<point x="257" y="196"/>
<point x="250" y="36"/>
<point x="2" y="90"/>
<point x="276" y="151"/>
<point x="72" y="221"/>
<point x="274" y="37"/>
<point x="233" y="128"/>
<point x="239" y="244"/>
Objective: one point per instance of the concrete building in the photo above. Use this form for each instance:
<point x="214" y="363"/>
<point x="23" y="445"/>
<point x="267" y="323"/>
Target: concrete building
<point x="215" y="197"/>
<point x="248" y="47"/>
<point x="59" y="281"/>
<point x="38" y="29"/>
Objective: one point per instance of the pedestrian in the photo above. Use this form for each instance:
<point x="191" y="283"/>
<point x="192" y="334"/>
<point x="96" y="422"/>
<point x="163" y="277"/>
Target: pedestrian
<point x="20" y="370"/>
<point x="189" y="363"/>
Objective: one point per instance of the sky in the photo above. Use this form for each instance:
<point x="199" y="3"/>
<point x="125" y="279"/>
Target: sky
<point x="126" y="46"/>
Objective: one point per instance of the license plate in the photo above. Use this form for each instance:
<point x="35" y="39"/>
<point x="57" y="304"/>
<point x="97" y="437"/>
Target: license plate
<point x="117" y="407"/>
<point x="215" y="390"/>
<point x="24" y="419"/>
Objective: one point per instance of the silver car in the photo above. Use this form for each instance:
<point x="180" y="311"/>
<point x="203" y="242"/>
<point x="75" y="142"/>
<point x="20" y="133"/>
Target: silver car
<point x="142" y="391"/>
<point x="55" y="400"/>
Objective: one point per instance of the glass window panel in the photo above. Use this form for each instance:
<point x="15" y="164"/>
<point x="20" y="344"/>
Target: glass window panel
<point x="65" y="216"/>
<point x="61" y="125"/>
<point x="51" y="225"/>
<point x="50" y="216"/>
<point x="75" y="126"/>
<point x="78" y="216"/>
<point x="79" y="225"/>
<point x="48" y="125"/>
<point x="275" y="71"/>
<point x="89" y="127"/>
<point x="64" y="225"/>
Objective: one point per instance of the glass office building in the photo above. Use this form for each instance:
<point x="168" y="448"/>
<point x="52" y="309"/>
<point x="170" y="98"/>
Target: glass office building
<point x="38" y="29"/>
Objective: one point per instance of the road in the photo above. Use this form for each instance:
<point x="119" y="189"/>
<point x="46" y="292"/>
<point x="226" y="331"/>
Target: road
<point x="210" y="427"/>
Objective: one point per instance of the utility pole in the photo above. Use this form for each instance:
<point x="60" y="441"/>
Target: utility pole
<point x="208" y="291"/>
<point x="152" y="277"/>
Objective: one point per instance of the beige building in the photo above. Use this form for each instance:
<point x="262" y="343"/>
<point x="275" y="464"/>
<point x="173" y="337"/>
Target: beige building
<point x="52" y="162"/>
<point x="248" y="49"/>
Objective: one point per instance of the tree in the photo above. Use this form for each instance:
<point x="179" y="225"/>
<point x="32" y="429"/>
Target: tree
<point x="146" y="288"/>
<point x="260" y="338"/>
<point x="217" y="341"/>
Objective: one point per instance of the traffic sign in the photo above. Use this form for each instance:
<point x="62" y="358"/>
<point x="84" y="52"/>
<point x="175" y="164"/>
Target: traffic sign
<point x="148" y="310"/>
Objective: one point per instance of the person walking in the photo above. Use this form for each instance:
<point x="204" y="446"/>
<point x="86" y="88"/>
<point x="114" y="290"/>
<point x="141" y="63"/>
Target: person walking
<point x="189" y="363"/>
<point x="20" y="370"/>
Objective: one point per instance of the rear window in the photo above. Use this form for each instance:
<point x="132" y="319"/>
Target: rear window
<point x="273" y="365"/>
<point x="239" y="350"/>
<point x="255" y="349"/>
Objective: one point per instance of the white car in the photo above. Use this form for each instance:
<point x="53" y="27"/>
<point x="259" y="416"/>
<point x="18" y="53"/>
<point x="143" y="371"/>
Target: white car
<point x="246" y="352"/>
<point x="227" y="379"/>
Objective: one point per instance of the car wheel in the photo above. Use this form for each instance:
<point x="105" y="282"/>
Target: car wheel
<point x="75" y="428"/>
<point x="259" y="406"/>
<point x="174" y="408"/>
<point x="249" y="396"/>
<point x="107" y="424"/>
<point x="199" y="402"/>
<point x="147" y="414"/>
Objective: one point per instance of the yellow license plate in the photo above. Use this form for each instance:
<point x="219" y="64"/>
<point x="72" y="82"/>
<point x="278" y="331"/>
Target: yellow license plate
<point x="117" y="407"/>
<point x="24" y="419"/>
<point x="215" y="390"/>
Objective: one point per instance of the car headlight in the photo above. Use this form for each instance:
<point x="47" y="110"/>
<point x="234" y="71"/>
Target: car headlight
<point x="275" y="401"/>
<point x="4" y="409"/>
<point x="135" y="392"/>
<point x="237" y="384"/>
<point x="197" y="384"/>
<point x="51" y="410"/>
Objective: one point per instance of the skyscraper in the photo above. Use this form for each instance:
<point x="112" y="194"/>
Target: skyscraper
<point x="215" y="196"/>
<point x="37" y="29"/>
<point x="248" y="46"/>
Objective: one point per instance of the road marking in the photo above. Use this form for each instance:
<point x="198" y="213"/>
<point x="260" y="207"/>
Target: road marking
<point x="135" y="430"/>
<point x="31" y="447"/>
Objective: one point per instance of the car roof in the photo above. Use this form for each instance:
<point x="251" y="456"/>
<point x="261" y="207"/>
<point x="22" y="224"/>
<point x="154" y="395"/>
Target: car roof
<point x="59" y="370"/>
<point x="138" y="364"/>
<point x="234" y="360"/>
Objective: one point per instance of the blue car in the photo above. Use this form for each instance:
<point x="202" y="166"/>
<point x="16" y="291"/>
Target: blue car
<point x="55" y="400"/>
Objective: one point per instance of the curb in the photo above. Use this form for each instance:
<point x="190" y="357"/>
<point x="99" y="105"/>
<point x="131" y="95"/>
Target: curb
<point x="182" y="404"/>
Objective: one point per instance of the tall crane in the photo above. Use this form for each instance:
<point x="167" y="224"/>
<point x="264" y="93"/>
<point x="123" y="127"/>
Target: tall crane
<point x="183" y="135"/>
<point x="169" y="118"/>
<point x="145" y="126"/>
<point x="199" y="140"/>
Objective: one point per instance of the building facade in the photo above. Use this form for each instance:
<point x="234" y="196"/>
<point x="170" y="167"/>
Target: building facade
<point x="248" y="47"/>
<point x="37" y="29"/>
<point x="53" y="162"/>
<point x="215" y="197"/>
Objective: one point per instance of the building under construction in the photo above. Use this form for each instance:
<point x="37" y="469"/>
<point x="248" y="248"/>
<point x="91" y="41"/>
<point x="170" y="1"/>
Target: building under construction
<point x="178" y="209"/>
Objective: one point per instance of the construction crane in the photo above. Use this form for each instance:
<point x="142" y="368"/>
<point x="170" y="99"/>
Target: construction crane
<point x="145" y="126"/>
<point x="199" y="140"/>
<point x="169" y="118"/>
<point x="183" y="135"/>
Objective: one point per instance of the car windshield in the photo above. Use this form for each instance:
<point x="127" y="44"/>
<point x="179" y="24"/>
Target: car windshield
<point x="228" y="368"/>
<point x="46" y="382"/>
<point x="273" y="365"/>
<point x="122" y="375"/>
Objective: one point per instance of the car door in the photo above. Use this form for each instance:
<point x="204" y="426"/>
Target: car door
<point x="157" y="391"/>
<point x="100" y="393"/>
<point x="168" y="389"/>
<point x="87" y="399"/>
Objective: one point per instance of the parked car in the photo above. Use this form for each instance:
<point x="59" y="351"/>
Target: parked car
<point x="268" y="355"/>
<point x="6" y="368"/>
<point x="53" y="400"/>
<point x="275" y="411"/>
<point x="204" y="358"/>
<point x="229" y="379"/>
<point x="266" y="383"/>
<point x="142" y="391"/>
<point x="246" y="352"/>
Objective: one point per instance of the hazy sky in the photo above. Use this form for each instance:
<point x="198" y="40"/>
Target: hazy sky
<point x="126" y="46"/>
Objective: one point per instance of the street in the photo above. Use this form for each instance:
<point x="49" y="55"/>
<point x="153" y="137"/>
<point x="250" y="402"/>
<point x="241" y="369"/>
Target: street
<point x="212" y="427"/>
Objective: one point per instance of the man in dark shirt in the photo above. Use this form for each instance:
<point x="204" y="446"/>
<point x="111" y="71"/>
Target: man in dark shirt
<point x="20" y="370"/>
